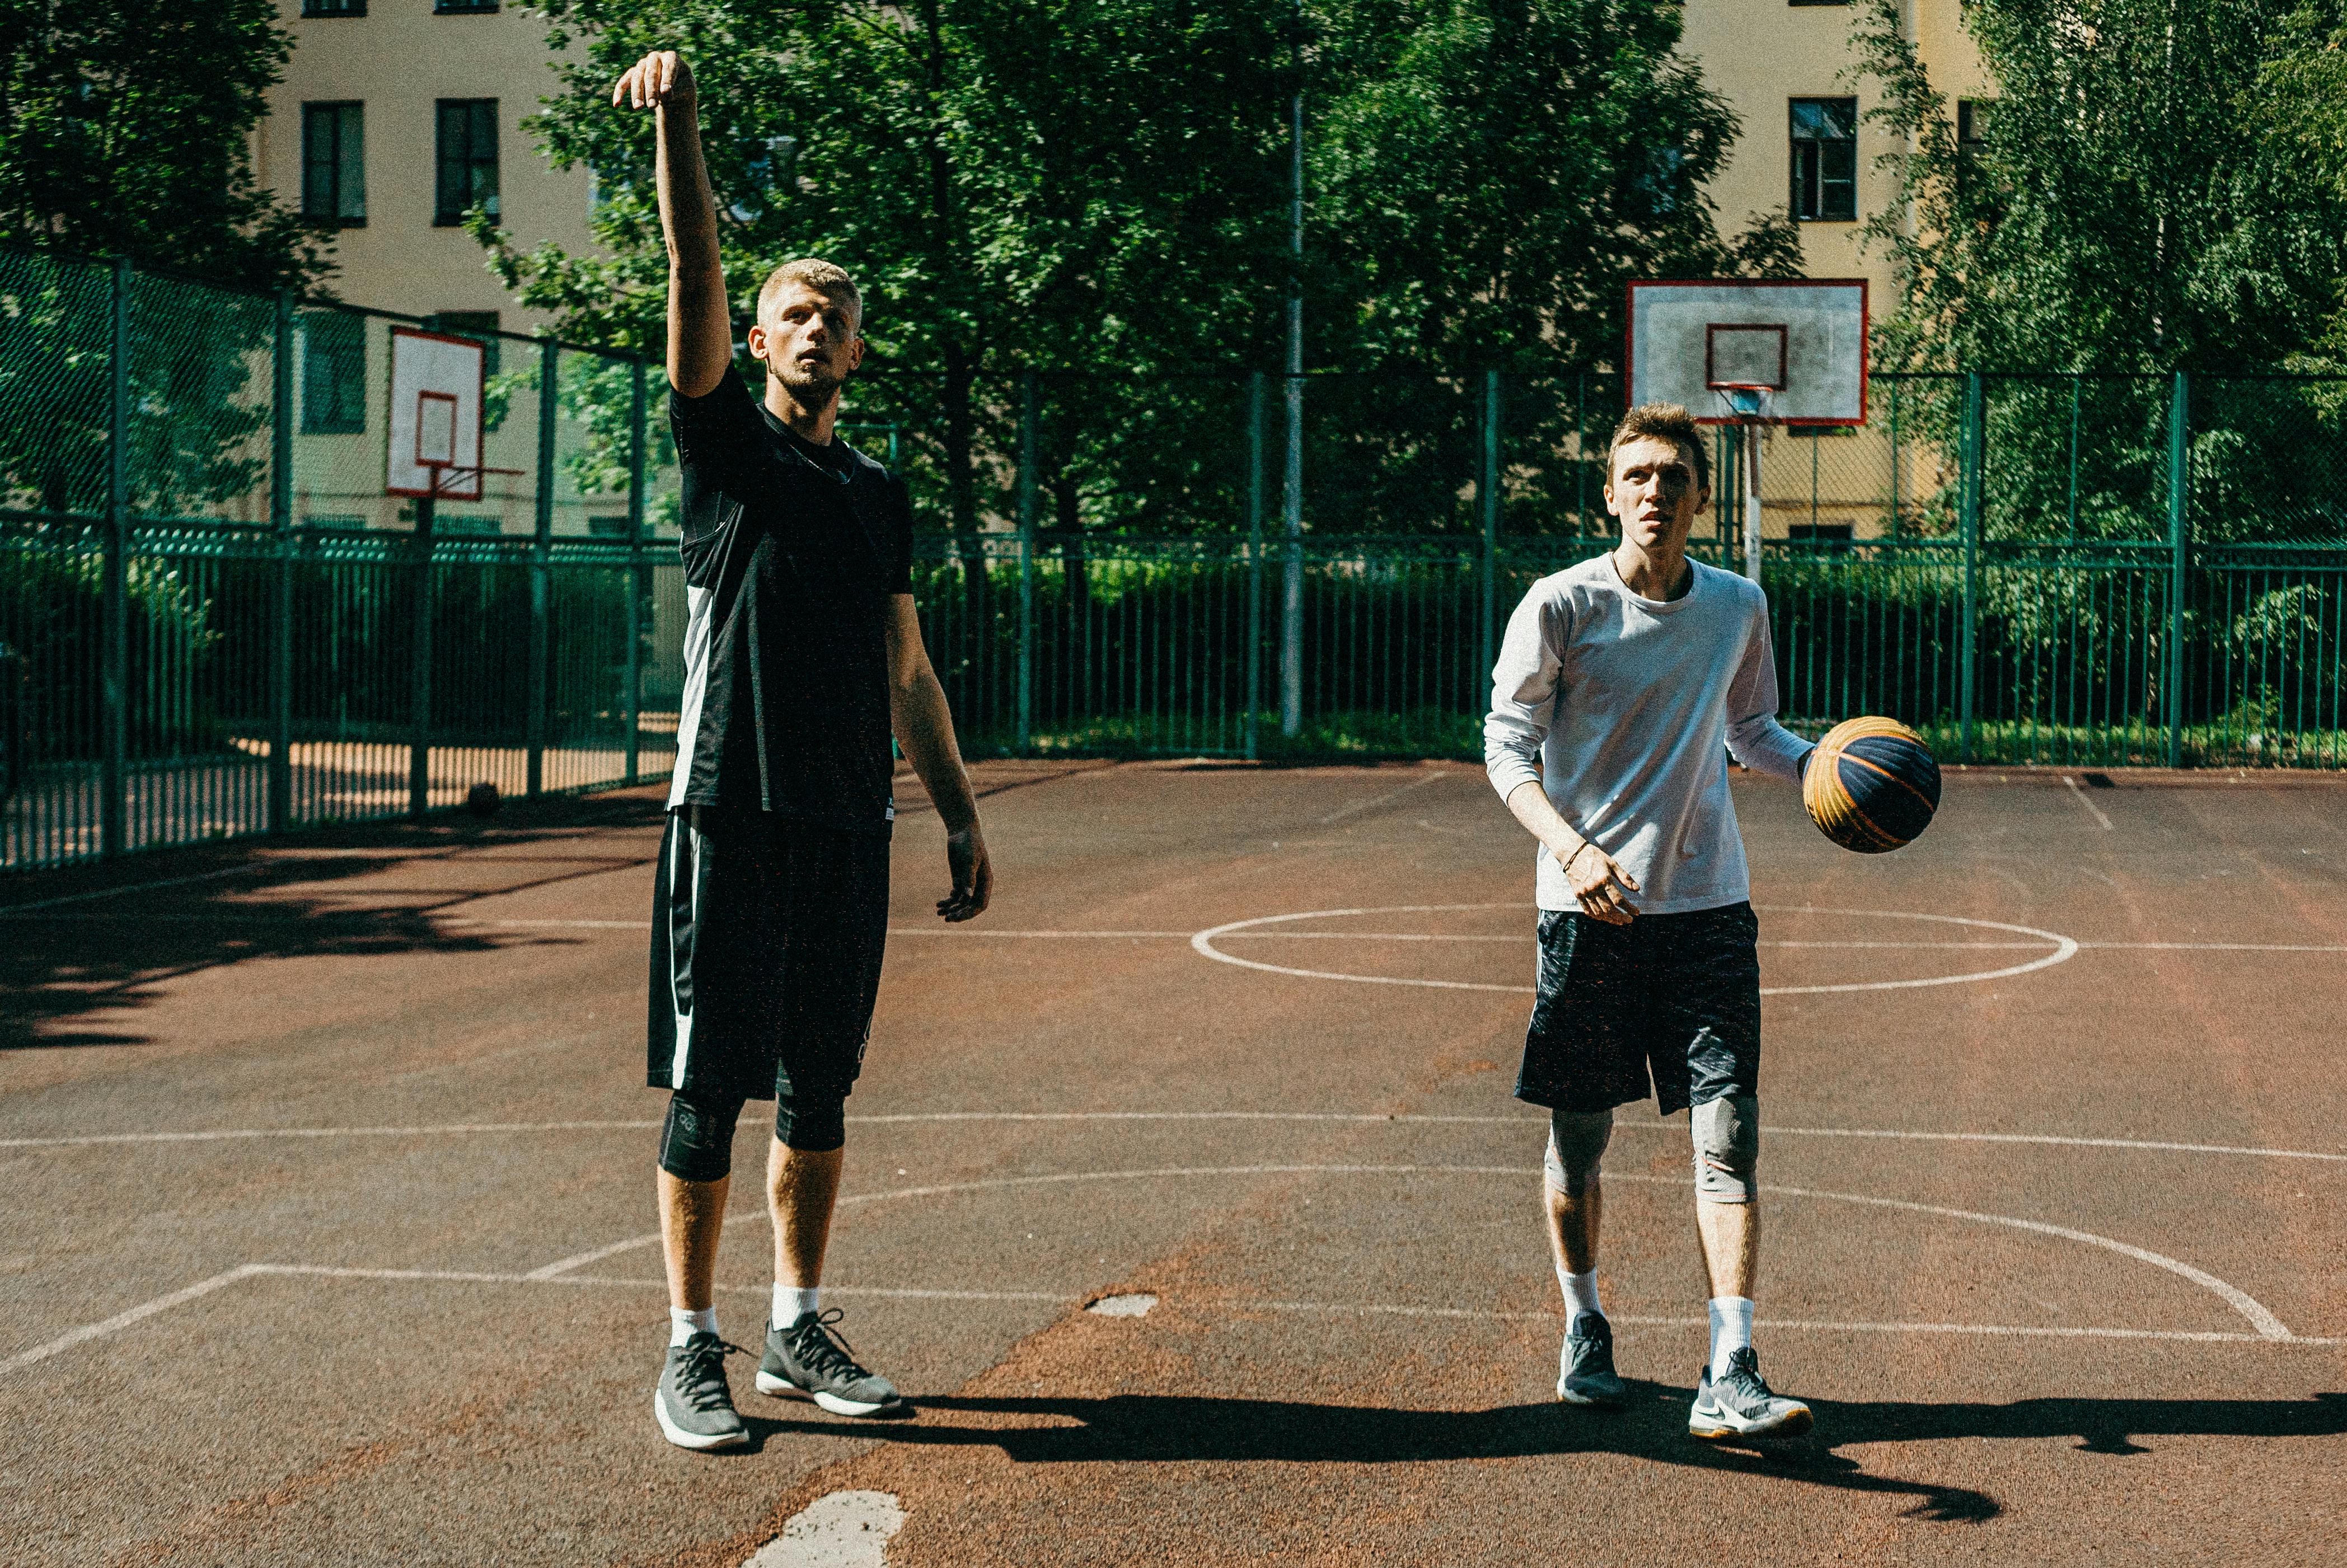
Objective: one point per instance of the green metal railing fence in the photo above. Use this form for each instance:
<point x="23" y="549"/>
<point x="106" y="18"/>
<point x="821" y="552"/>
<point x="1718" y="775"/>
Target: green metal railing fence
<point x="212" y="620"/>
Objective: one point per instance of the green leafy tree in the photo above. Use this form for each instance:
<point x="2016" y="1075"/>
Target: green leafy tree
<point x="1488" y="178"/>
<point x="1095" y="190"/>
<point x="125" y="132"/>
<point x="2157" y="187"/>
<point x="2123" y="213"/>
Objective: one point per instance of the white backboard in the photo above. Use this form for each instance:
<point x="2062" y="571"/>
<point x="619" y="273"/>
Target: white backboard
<point x="1803" y="338"/>
<point x="435" y="416"/>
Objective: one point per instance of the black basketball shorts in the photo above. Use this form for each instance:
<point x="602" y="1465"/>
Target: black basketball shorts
<point x="1674" y="999"/>
<point x="767" y="937"/>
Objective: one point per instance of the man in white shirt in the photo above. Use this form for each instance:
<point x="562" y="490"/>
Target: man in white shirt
<point x="1616" y="686"/>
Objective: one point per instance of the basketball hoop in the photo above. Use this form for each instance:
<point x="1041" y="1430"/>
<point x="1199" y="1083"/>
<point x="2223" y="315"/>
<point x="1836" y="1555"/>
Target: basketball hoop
<point x="438" y="394"/>
<point x="1754" y="353"/>
<point x="1748" y="402"/>
<point x="452" y="480"/>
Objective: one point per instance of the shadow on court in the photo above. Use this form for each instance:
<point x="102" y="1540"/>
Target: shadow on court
<point x="1145" y="1427"/>
<point x="97" y="951"/>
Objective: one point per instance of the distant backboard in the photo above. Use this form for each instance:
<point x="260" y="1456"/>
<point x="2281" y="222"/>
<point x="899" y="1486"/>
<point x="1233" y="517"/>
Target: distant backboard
<point x="1803" y="339"/>
<point x="435" y="416"/>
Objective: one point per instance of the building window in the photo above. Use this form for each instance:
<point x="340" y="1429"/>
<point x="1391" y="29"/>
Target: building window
<point x="467" y="143"/>
<point x="334" y="374"/>
<point x="1825" y="160"/>
<point x="1974" y="116"/>
<point x="463" y="8"/>
<point x="479" y="325"/>
<point x="333" y="7"/>
<point x="334" y="164"/>
<point x="1817" y="2"/>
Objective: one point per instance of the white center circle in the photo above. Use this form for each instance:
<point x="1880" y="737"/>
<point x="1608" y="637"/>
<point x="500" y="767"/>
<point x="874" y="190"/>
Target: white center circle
<point x="2056" y="947"/>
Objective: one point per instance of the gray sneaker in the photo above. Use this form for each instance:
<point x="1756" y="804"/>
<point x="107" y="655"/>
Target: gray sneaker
<point x="810" y="1357"/>
<point x="693" y="1404"/>
<point x="1585" y="1373"/>
<point x="1738" y="1404"/>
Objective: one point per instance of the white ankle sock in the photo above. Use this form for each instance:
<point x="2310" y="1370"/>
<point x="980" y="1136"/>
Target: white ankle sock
<point x="683" y="1325"/>
<point x="1731" y="1329"/>
<point x="1580" y="1293"/>
<point x="793" y="1301"/>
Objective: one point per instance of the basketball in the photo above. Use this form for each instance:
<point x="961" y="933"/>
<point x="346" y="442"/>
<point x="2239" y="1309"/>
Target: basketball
<point x="1871" y="785"/>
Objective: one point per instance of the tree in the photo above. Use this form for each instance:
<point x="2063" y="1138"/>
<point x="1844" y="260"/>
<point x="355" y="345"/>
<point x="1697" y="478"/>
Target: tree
<point x="2124" y="210"/>
<point x="125" y="131"/>
<point x="1490" y="174"/>
<point x="1095" y="192"/>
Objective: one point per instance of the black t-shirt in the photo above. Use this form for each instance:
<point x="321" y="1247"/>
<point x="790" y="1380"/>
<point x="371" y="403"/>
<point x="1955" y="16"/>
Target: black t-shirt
<point x="792" y="554"/>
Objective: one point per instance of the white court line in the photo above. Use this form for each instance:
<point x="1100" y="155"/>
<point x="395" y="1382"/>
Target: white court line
<point x="121" y="1320"/>
<point x="896" y="1118"/>
<point x="2063" y="949"/>
<point x="239" y="1134"/>
<point x="2207" y="948"/>
<point x="2267" y="1325"/>
<point x="1373" y="1309"/>
<point x="2255" y="1312"/>
<point x="130" y="888"/>
<point x="1359" y="806"/>
<point x="967" y="933"/>
<point x="2089" y="804"/>
<point x="146" y="1310"/>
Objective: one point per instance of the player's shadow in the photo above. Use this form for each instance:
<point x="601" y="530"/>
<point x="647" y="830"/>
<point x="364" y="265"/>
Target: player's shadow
<point x="1141" y="1427"/>
<point x="66" y="965"/>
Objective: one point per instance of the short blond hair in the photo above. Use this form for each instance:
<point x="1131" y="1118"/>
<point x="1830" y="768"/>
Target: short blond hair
<point x="823" y="276"/>
<point x="1662" y="422"/>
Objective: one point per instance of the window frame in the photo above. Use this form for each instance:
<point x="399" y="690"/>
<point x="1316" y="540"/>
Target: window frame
<point x="464" y="8"/>
<point x="471" y="160"/>
<point x="343" y="169"/>
<point x="334" y="374"/>
<point x="312" y="10"/>
<point x="1809" y="177"/>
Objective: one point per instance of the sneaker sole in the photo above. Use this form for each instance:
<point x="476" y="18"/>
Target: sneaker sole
<point x="770" y="1384"/>
<point x="1720" y="1424"/>
<point x="700" y="1442"/>
<point x="1598" y="1401"/>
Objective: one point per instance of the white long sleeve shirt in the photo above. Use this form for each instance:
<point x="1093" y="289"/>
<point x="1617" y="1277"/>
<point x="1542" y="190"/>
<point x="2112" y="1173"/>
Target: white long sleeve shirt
<point x="1624" y="704"/>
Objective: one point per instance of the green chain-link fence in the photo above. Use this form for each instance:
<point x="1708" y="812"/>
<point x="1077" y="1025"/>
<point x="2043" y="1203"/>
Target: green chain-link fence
<point x="213" y="621"/>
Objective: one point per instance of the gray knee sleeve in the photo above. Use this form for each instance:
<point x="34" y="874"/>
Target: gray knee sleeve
<point x="1727" y="1147"/>
<point x="1576" y="1143"/>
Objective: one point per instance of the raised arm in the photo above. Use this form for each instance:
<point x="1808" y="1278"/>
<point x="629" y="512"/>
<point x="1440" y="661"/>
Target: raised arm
<point x="699" y="323"/>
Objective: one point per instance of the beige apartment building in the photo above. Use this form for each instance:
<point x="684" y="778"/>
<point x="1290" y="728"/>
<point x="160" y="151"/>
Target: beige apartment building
<point x="397" y="114"/>
<point x="393" y="116"/>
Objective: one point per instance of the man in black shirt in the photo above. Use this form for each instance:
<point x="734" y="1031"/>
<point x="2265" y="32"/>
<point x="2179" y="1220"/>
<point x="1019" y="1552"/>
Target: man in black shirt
<point x="802" y="655"/>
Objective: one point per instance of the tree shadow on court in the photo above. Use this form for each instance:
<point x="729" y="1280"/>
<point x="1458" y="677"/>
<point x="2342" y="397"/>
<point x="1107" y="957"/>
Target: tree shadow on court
<point x="1147" y="1428"/>
<point x="72" y="971"/>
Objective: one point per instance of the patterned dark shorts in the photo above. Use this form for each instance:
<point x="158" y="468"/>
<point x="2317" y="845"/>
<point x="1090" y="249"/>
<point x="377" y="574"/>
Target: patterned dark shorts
<point x="1671" y="998"/>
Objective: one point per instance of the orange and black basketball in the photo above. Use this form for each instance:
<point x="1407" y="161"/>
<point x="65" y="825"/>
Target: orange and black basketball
<point x="1871" y="785"/>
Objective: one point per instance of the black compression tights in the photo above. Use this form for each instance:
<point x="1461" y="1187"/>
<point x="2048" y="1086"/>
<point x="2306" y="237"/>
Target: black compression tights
<point x="697" y="1143"/>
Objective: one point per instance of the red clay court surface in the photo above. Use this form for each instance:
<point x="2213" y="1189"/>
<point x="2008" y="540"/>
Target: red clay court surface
<point x="329" y="1177"/>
